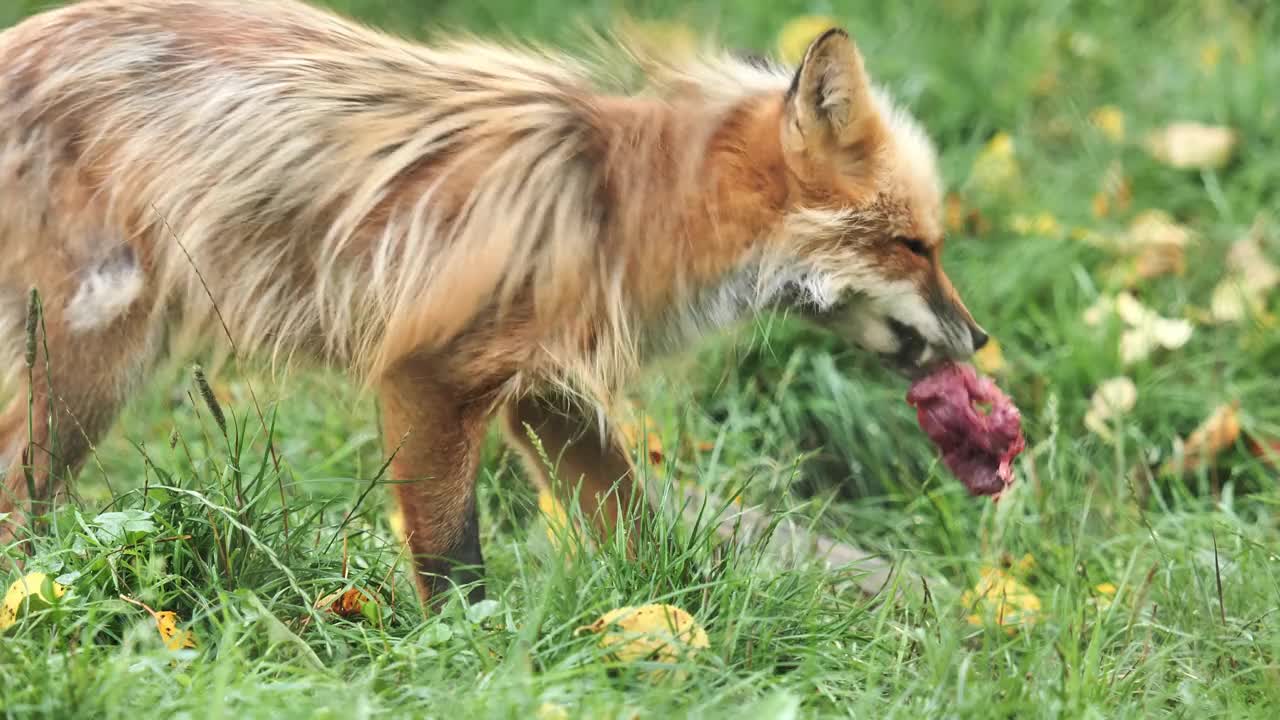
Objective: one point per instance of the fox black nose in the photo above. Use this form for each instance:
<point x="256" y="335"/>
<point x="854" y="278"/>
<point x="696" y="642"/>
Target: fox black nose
<point x="979" y="339"/>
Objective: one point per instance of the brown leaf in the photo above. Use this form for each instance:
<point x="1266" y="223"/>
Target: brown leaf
<point x="348" y="604"/>
<point x="1216" y="434"/>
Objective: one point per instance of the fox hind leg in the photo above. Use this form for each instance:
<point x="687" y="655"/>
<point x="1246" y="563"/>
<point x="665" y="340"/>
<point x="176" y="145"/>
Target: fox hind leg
<point x="587" y="466"/>
<point x="94" y="340"/>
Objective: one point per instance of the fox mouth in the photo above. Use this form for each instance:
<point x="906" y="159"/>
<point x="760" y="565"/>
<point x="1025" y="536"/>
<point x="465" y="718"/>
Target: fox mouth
<point x="914" y="358"/>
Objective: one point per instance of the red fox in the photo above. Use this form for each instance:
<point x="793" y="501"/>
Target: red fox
<point x="476" y="231"/>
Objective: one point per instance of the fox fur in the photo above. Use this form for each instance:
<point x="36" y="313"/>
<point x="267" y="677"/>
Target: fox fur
<point x="472" y="229"/>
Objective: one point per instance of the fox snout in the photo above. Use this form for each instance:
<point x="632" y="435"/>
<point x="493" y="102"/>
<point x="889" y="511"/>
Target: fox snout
<point x="911" y="329"/>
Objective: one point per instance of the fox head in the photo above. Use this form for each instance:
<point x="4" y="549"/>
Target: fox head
<point x="865" y="222"/>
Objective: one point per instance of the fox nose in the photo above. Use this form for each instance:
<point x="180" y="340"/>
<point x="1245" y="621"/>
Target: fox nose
<point x="980" y="338"/>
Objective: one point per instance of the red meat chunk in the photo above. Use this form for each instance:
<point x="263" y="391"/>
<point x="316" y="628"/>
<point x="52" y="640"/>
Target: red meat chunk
<point x="978" y="447"/>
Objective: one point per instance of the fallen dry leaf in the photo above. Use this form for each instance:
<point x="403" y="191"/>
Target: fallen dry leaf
<point x="1210" y="56"/>
<point x="1216" y="434"/>
<point x="1146" y="329"/>
<point x="1041" y="224"/>
<point x="33" y="591"/>
<point x="654" y="633"/>
<point x="1104" y="595"/>
<point x="1113" y="399"/>
<point x="996" y="171"/>
<point x="175" y="638"/>
<point x="1114" y="194"/>
<point x="351" y="603"/>
<point x="167" y="624"/>
<point x="1001" y="599"/>
<point x="1109" y="120"/>
<point x="1193" y="146"/>
<point x="1157" y="228"/>
<point x="556" y="519"/>
<point x="798" y="33"/>
<point x="1250" y="277"/>
<point x="653" y="442"/>
<point x="551" y="711"/>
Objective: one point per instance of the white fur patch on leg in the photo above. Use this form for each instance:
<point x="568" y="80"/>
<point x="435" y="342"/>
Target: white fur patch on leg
<point x="106" y="292"/>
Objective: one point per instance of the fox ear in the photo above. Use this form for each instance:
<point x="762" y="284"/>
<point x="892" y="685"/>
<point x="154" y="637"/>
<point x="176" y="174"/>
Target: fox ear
<point x="830" y="97"/>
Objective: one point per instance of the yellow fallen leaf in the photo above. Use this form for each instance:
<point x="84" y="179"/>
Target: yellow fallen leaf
<point x="996" y="169"/>
<point x="1105" y="594"/>
<point x="1193" y="146"/>
<point x="1157" y="227"/>
<point x="653" y="442"/>
<point x="1250" y="277"/>
<point x="797" y="34"/>
<point x="551" y="711"/>
<point x="1156" y="260"/>
<point x="1216" y="434"/>
<point x="1109" y="120"/>
<point x="556" y="519"/>
<point x="352" y="602"/>
<point x="999" y="598"/>
<point x="174" y="637"/>
<point x="1148" y="330"/>
<point x="1041" y="224"/>
<point x="33" y="591"/>
<point x="990" y="359"/>
<point x="167" y="622"/>
<point x="653" y="633"/>
<point x="1210" y="56"/>
<point x="1113" y="399"/>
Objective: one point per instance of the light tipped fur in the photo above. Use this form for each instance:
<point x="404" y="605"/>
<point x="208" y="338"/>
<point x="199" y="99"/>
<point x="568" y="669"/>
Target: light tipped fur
<point x="470" y="227"/>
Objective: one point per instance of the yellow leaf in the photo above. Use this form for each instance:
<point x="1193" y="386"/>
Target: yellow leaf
<point x="653" y="442"/>
<point x="1148" y="330"/>
<point x="551" y="711"/>
<point x="33" y="591"/>
<point x="1024" y="565"/>
<point x="796" y="36"/>
<point x="555" y="517"/>
<point x="996" y="169"/>
<point x="1250" y="277"/>
<point x="1042" y="224"/>
<point x="174" y="638"/>
<point x="1106" y="594"/>
<point x="999" y="598"/>
<point x="1210" y="56"/>
<point x="1114" y="398"/>
<point x="653" y="633"/>
<point x="1157" y="227"/>
<point x="990" y="359"/>
<point x="1189" y="145"/>
<point x="1109" y="120"/>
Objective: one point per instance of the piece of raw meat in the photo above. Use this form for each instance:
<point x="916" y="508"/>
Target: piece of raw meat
<point x="978" y="447"/>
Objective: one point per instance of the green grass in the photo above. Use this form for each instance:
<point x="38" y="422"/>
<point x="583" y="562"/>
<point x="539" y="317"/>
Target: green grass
<point x="805" y="426"/>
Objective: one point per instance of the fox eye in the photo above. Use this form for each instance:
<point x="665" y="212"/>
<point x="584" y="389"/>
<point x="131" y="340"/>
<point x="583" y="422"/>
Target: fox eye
<point x="915" y="246"/>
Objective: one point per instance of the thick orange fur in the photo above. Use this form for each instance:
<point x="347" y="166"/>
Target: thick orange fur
<point x="470" y="228"/>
